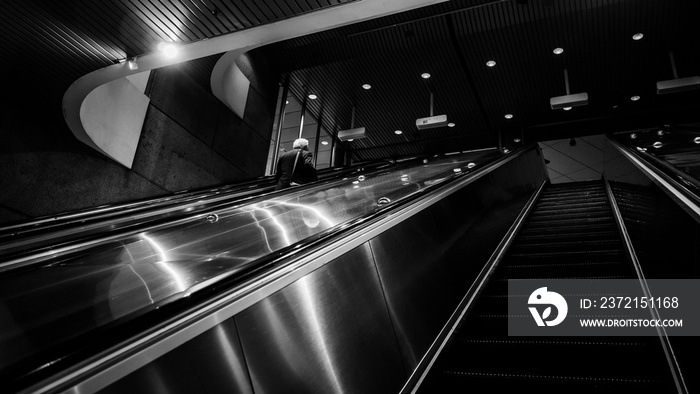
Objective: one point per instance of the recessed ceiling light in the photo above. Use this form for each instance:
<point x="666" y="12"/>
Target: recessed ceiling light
<point x="637" y="36"/>
<point x="397" y="132"/>
<point x="490" y="63"/>
<point x="567" y="108"/>
<point x="313" y="96"/>
<point x="366" y="86"/>
<point x="509" y="116"/>
<point x="450" y="124"/>
<point x="635" y="98"/>
<point x="558" y="51"/>
<point x="324" y="142"/>
<point x="425" y="75"/>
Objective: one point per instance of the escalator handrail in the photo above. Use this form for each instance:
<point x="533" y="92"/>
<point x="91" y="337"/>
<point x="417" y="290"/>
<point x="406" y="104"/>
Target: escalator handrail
<point x="129" y="208"/>
<point x="200" y="310"/>
<point x="634" y="261"/>
<point x="679" y="185"/>
<point x="20" y="252"/>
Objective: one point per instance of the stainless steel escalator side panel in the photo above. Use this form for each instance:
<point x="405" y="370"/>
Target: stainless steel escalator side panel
<point x="328" y="332"/>
<point x="212" y="362"/>
<point x="140" y="272"/>
<point x="427" y="263"/>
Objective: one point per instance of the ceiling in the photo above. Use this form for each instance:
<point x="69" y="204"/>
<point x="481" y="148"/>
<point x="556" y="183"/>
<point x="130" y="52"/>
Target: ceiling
<point x="53" y="43"/>
<point x="453" y="41"/>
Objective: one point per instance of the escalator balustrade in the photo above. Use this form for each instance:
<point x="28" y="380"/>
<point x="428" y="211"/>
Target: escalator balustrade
<point x="570" y="234"/>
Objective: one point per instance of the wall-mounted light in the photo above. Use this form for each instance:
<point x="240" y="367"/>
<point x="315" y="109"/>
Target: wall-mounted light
<point x="168" y="49"/>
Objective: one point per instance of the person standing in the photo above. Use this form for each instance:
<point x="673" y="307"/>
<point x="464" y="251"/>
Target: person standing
<point x="296" y="166"/>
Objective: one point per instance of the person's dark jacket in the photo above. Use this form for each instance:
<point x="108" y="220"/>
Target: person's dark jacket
<point x="304" y="172"/>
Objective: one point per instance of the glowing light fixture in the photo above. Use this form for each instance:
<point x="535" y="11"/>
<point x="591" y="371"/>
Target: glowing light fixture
<point x="450" y="124"/>
<point x="558" y="51"/>
<point x="168" y="49"/>
<point x="398" y="132"/>
<point x="509" y="116"/>
<point x="637" y="36"/>
<point x="313" y="96"/>
<point x="696" y="140"/>
<point x="471" y="165"/>
<point x="657" y="144"/>
<point x="567" y="108"/>
<point x="635" y="98"/>
<point x="490" y="63"/>
<point x="517" y="140"/>
<point x="324" y="142"/>
<point x="132" y="64"/>
<point x="425" y="75"/>
<point x="366" y="86"/>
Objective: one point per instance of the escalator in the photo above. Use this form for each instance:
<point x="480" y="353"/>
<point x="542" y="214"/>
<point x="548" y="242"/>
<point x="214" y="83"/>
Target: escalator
<point x="570" y="234"/>
<point x="102" y="313"/>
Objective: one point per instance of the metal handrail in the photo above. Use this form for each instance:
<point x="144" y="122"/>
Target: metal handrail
<point x="205" y="305"/>
<point x="676" y="185"/>
<point x="634" y="261"/>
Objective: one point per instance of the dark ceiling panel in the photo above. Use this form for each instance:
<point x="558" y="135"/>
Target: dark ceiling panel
<point x="454" y="40"/>
<point x="451" y="40"/>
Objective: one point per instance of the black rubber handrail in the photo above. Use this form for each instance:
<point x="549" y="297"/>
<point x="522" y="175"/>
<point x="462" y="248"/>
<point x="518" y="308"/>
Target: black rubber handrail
<point x="22" y="245"/>
<point x="680" y="182"/>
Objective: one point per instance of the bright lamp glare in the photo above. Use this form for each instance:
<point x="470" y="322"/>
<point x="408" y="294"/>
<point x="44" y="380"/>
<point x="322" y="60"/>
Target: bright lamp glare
<point x="168" y="49"/>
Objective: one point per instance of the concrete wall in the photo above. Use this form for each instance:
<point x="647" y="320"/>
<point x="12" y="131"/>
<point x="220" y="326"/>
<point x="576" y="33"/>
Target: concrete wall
<point x="189" y="140"/>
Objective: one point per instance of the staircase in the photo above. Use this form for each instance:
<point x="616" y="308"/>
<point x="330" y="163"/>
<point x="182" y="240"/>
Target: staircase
<point x="570" y="234"/>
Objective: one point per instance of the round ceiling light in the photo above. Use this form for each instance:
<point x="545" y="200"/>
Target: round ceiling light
<point x="509" y="116"/>
<point x="635" y="98"/>
<point x="637" y="36"/>
<point x="397" y="132"/>
<point x="425" y="75"/>
<point x="567" y="108"/>
<point x="168" y="48"/>
<point x="696" y="140"/>
<point x="366" y="86"/>
<point x="324" y="142"/>
<point x="558" y="51"/>
<point x="313" y="96"/>
<point x="490" y="63"/>
<point x="450" y="124"/>
<point x="351" y="139"/>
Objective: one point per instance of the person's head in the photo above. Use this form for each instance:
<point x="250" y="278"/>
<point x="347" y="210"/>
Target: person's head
<point x="301" y="143"/>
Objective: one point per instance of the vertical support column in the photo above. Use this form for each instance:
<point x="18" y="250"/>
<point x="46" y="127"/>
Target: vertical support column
<point x="318" y="136"/>
<point x="280" y="123"/>
<point x="301" y="118"/>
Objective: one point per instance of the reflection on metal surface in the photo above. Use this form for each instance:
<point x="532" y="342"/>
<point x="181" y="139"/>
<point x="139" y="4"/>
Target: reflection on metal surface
<point x="181" y="286"/>
<point x="383" y="200"/>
